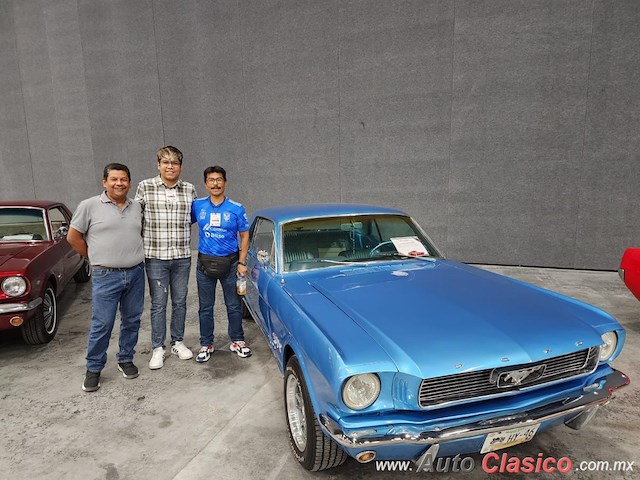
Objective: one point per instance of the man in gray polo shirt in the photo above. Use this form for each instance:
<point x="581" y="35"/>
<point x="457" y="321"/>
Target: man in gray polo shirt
<point x="107" y="229"/>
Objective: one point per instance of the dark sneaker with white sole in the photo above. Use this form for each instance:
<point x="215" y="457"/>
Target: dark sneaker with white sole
<point x="128" y="369"/>
<point x="91" y="381"/>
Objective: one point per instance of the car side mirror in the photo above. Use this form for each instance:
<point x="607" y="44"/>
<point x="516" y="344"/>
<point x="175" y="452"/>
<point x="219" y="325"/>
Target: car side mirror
<point x="62" y="231"/>
<point x="263" y="257"/>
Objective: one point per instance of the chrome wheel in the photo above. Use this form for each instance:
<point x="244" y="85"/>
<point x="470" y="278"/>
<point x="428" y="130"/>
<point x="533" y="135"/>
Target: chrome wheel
<point x="84" y="274"/>
<point x="49" y="311"/>
<point x="42" y="327"/>
<point x="295" y="412"/>
<point x="311" y="447"/>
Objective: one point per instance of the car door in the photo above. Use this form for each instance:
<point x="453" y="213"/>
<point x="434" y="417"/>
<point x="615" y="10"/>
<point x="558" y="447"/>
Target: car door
<point x="59" y="221"/>
<point x="261" y="272"/>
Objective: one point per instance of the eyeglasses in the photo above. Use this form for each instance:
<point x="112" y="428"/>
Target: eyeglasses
<point x="173" y="163"/>
<point x="215" y="180"/>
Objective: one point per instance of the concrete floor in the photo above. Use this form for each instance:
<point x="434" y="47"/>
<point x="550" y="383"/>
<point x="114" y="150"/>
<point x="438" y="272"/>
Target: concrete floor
<point x="225" y="419"/>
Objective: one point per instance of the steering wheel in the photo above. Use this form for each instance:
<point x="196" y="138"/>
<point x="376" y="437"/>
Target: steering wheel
<point x="378" y="248"/>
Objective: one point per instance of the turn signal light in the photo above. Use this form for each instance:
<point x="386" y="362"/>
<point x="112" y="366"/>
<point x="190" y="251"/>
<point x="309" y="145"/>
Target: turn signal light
<point x="16" y="321"/>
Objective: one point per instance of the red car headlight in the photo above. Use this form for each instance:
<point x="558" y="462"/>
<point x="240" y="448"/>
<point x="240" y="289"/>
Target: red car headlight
<point x="14" y="286"/>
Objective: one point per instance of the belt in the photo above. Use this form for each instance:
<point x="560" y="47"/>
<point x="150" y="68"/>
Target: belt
<point x="233" y="257"/>
<point x="115" y="269"/>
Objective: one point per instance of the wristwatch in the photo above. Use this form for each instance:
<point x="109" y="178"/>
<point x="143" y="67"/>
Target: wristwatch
<point x="244" y="264"/>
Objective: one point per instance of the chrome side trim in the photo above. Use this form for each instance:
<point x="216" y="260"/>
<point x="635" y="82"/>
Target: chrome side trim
<point x="20" y="307"/>
<point x="571" y="405"/>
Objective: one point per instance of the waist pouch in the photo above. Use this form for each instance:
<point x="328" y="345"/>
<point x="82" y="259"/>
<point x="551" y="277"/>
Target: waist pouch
<point x="216" y="267"/>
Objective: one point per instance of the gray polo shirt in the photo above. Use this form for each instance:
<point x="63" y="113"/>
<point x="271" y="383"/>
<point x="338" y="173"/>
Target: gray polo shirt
<point x="114" y="236"/>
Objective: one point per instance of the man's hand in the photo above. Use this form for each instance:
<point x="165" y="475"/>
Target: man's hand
<point x="242" y="270"/>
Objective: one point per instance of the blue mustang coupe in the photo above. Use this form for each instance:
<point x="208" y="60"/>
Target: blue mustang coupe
<point x="391" y="351"/>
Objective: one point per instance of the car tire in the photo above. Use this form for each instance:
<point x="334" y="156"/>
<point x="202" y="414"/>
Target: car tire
<point x="84" y="274"/>
<point x="311" y="447"/>
<point x="42" y="327"/>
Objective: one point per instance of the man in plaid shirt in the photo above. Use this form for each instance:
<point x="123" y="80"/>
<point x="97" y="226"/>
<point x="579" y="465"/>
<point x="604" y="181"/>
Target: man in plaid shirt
<point x="166" y="204"/>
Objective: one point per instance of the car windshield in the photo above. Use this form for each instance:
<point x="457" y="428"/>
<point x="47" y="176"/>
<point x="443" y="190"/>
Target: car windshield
<point x="22" y="225"/>
<point x="325" y="242"/>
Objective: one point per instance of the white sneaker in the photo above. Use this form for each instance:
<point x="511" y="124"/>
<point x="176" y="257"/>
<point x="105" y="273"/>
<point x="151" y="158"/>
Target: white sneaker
<point x="157" y="358"/>
<point x="204" y="354"/>
<point x="241" y="348"/>
<point x="183" y="352"/>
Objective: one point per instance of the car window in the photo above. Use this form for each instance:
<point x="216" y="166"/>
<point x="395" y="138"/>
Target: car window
<point x="262" y="240"/>
<point x="393" y="227"/>
<point x="58" y="220"/>
<point x="325" y="242"/>
<point x="22" y="225"/>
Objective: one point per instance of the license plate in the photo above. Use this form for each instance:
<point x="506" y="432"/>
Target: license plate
<point x="508" y="438"/>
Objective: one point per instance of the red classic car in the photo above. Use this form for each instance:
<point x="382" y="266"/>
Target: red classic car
<point x="630" y="270"/>
<point x="36" y="262"/>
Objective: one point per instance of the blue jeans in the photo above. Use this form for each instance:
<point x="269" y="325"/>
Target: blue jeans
<point x="110" y="289"/>
<point x="165" y="276"/>
<point x="207" y="299"/>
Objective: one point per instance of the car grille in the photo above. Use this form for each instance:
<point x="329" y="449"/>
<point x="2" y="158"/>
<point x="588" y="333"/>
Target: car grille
<point x="483" y="383"/>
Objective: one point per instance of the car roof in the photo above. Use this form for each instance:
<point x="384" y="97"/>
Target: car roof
<point x="287" y="213"/>
<point x="29" y="203"/>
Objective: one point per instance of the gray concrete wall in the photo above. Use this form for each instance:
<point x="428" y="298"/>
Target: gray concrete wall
<point x="508" y="128"/>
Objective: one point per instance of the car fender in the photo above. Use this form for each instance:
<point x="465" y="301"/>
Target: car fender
<point x="324" y="359"/>
<point x="303" y="345"/>
<point x="42" y="270"/>
<point x="284" y="343"/>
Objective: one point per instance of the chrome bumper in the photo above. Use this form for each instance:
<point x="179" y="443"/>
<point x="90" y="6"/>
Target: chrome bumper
<point x="591" y="397"/>
<point x="19" y="307"/>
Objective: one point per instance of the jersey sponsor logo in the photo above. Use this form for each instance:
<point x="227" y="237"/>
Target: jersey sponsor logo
<point x="213" y="235"/>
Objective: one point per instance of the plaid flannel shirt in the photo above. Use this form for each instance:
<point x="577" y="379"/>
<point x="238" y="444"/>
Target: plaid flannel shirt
<point x="166" y="218"/>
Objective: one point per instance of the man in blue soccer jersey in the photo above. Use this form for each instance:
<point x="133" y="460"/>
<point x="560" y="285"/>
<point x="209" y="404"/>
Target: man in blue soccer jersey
<point x="220" y="222"/>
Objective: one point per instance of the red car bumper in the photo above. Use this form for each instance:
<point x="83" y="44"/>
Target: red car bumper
<point x="13" y="314"/>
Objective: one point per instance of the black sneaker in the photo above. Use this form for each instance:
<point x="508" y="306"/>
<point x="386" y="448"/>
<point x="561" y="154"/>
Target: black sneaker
<point x="128" y="369"/>
<point x="91" y="381"/>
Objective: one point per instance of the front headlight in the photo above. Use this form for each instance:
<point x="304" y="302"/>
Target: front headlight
<point x="360" y="391"/>
<point x="610" y="340"/>
<point x="14" y="286"/>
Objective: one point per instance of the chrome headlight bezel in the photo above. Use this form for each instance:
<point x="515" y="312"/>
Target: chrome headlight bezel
<point x="610" y="340"/>
<point x="14" y="286"/>
<point x="360" y="391"/>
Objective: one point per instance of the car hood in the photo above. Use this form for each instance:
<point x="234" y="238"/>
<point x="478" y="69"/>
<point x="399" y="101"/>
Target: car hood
<point x="14" y="257"/>
<point x="443" y="317"/>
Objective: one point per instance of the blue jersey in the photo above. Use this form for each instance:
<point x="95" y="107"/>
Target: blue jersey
<point x="218" y="225"/>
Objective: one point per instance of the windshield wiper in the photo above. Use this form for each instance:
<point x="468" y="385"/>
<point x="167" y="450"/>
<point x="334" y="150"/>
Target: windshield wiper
<point x="404" y="255"/>
<point x="363" y="261"/>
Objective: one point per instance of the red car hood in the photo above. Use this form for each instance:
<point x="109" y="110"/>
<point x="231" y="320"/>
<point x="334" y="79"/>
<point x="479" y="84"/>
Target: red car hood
<point x="15" y="257"/>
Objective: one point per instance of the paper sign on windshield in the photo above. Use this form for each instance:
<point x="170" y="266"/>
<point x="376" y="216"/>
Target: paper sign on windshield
<point x="410" y="246"/>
